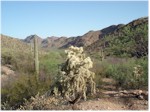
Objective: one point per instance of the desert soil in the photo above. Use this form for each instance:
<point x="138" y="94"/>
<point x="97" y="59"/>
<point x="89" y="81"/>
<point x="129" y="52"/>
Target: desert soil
<point x="110" y="98"/>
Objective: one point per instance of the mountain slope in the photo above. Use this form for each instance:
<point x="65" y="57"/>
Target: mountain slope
<point x="10" y="43"/>
<point x="16" y="53"/>
<point x="48" y="41"/>
<point x="64" y="42"/>
<point x="30" y="39"/>
<point x="130" y="40"/>
<point x="91" y="37"/>
<point x="118" y="39"/>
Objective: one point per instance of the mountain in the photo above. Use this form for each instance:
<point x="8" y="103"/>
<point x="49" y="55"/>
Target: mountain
<point x="48" y="42"/>
<point x="90" y="37"/>
<point x="64" y="42"/>
<point x="12" y="49"/>
<point x="123" y="39"/>
<point x="87" y="38"/>
<point x="30" y="39"/>
<point x="130" y="39"/>
<point x="12" y="43"/>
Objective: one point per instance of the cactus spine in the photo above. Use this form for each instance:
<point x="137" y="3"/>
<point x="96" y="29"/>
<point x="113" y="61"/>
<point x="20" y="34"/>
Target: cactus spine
<point x="36" y="60"/>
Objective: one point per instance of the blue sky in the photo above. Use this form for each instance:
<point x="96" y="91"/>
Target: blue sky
<point x="20" y="19"/>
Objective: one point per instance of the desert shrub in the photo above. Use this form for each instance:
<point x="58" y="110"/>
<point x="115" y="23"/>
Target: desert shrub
<point x="124" y="74"/>
<point x="121" y="70"/>
<point x="21" y="61"/>
<point x="8" y="56"/>
<point x="49" y="63"/>
<point x="129" y="42"/>
<point x="43" y="103"/>
<point x="23" y="88"/>
<point x="143" y="62"/>
<point x="16" y="53"/>
<point x="24" y="63"/>
<point x="99" y="68"/>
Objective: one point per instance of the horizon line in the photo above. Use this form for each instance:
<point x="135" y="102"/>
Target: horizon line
<point x="73" y="36"/>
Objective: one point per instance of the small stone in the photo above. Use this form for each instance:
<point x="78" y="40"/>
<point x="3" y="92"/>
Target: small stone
<point x="121" y="94"/>
<point x="140" y="97"/>
<point x="139" y="92"/>
<point x="116" y="95"/>
<point x="146" y="103"/>
<point x="98" y="99"/>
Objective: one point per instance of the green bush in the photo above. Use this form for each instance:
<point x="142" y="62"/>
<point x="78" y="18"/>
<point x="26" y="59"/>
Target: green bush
<point x="129" y="42"/>
<point x="49" y="63"/>
<point x="23" y="88"/>
<point x="124" y="76"/>
<point x="21" y="61"/>
<point x="144" y="63"/>
<point x="121" y="70"/>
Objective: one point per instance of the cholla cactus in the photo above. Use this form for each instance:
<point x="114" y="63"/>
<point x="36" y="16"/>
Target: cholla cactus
<point x="138" y="71"/>
<point x="56" y="93"/>
<point x="75" y="74"/>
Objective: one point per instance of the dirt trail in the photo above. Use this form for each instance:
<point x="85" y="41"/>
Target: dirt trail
<point x="109" y="98"/>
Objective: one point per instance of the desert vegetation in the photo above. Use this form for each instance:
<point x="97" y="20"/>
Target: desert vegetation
<point x="62" y="79"/>
<point x="75" y="74"/>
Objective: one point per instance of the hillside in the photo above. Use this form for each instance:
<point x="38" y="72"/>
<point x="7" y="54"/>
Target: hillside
<point x="30" y="39"/>
<point x="64" y="42"/>
<point x="15" y="53"/>
<point x="8" y="42"/>
<point x="128" y="40"/>
<point x="48" y="41"/>
<point x="11" y="47"/>
<point x="58" y="42"/>
<point x="91" y="37"/>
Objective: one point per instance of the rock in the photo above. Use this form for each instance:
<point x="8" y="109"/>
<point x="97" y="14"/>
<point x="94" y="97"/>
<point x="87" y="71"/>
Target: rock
<point x="140" y="91"/>
<point x="125" y="91"/>
<point x="120" y="94"/>
<point x="6" y="71"/>
<point x="140" y="97"/>
<point x="98" y="99"/>
<point x="116" y="95"/>
<point x="146" y="103"/>
<point x="9" y="66"/>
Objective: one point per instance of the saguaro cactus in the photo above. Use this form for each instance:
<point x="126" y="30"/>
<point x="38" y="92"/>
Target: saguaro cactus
<point x="75" y="76"/>
<point x="36" y="60"/>
<point x="102" y="54"/>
